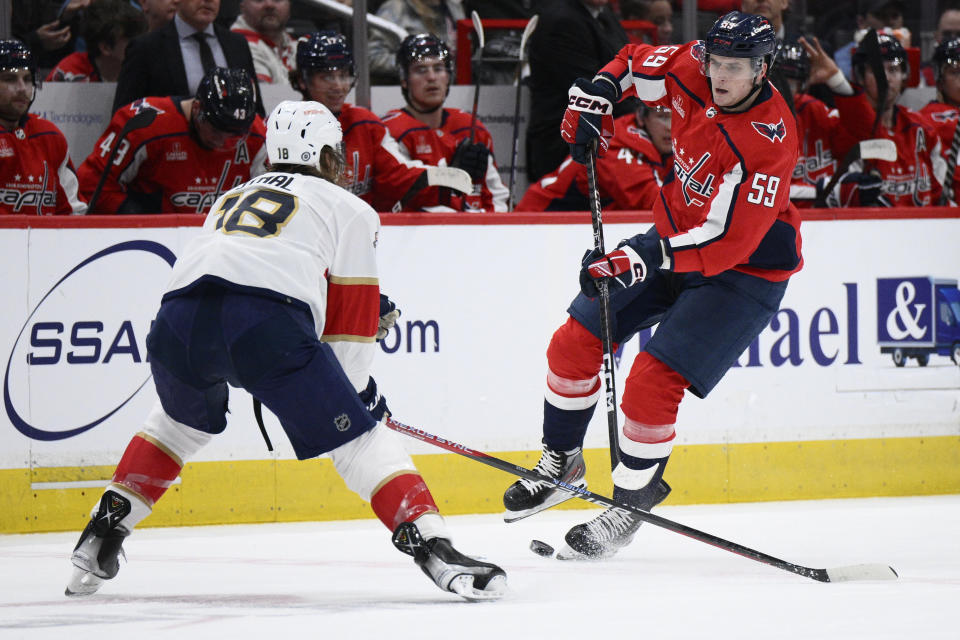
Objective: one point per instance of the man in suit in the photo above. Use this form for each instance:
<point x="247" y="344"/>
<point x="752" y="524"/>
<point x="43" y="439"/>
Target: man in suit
<point x="574" y="38"/>
<point x="171" y="60"/>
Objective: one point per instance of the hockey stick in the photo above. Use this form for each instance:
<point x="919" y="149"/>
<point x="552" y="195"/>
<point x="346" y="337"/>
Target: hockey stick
<point x="478" y="27"/>
<point x="873" y="149"/>
<point x="527" y="32"/>
<point x="143" y="119"/>
<point x="603" y="287"/>
<point x="870" y="45"/>
<point x="836" y="574"/>
<point x="947" y="194"/>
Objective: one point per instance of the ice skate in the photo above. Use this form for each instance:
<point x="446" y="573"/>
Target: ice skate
<point x="613" y="529"/>
<point x="526" y="497"/>
<point x="449" y="569"/>
<point x="97" y="555"/>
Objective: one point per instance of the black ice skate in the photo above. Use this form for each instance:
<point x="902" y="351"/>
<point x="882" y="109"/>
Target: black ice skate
<point x="448" y="568"/>
<point x="97" y="555"/>
<point x="526" y="497"/>
<point x="613" y="529"/>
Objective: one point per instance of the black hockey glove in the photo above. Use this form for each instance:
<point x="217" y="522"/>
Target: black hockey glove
<point x="855" y="189"/>
<point x="376" y="404"/>
<point x="388" y="316"/>
<point x="589" y="117"/>
<point x="472" y="158"/>
<point x="631" y="262"/>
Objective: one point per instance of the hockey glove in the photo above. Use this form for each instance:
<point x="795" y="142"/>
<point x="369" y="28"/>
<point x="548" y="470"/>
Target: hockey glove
<point x="630" y="263"/>
<point x="855" y="189"/>
<point x="589" y="116"/>
<point x="376" y="404"/>
<point x="472" y="158"/>
<point x="388" y="317"/>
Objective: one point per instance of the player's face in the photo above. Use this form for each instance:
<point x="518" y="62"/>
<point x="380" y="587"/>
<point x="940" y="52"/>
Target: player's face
<point x="895" y="80"/>
<point x="657" y="124"/>
<point x="732" y="80"/>
<point x="16" y="93"/>
<point x="427" y="82"/>
<point x="212" y="138"/>
<point x="950" y="83"/>
<point x="330" y="88"/>
<point x="266" y="15"/>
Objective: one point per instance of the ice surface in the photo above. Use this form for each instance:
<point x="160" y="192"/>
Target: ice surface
<point x="345" y="580"/>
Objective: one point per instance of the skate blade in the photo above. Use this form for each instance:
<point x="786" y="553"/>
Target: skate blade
<point x="556" y="498"/>
<point x="569" y="553"/>
<point x="82" y="583"/>
<point x="463" y="586"/>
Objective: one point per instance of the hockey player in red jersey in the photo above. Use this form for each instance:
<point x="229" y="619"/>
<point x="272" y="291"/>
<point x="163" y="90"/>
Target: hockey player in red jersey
<point x="943" y="112"/>
<point x="195" y="150"/>
<point x="36" y="174"/>
<point x="914" y="178"/>
<point x="711" y="271"/>
<point x="436" y="135"/>
<point x="822" y="139"/>
<point x="278" y="295"/>
<point x="377" y="170"/>
<point x="629" y="175"/>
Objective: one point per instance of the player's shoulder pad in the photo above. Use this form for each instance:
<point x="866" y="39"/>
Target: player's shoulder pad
<point x="36" y="124"/>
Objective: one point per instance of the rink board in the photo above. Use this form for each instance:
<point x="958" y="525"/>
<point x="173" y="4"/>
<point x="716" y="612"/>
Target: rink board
<point x="813" y="411"/>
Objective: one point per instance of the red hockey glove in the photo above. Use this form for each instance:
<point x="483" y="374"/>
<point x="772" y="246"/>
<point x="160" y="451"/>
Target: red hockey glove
<point x="629" y="264"/>
<point x="589" y="116"/>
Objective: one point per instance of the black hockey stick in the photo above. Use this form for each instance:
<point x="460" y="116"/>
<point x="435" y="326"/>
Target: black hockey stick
<point x="873" y="149"/>
<point x="521" y="59"/>
<point x="947" y="194"/>
<point x="836" y="574"/>
<point x="870" y="45"/>
<point x="143" y="119"/>
<point x="478" y="27"/>
<point x="603" y="287"/>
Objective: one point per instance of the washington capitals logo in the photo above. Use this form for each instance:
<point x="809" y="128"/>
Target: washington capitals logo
<point x="774" y="132"/>
<point x="141" y="104"/>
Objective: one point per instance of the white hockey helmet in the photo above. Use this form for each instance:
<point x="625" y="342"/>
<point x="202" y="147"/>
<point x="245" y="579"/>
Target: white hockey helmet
<point x="298" y="131"/>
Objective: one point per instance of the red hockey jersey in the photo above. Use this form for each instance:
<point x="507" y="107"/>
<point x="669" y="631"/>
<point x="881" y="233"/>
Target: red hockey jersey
<point x="944" y="119"/>
<point x="76" y="67"/>
<point x="726" y="203"/>
<point x="823" y="143"/>
<point x="436" y="147"/>
<point x="36" y="174"/>
<point x="377" y="170"/>
<point x="162" y="168"/>
<point x="629" y="176"/>
<point x="914" y="178"/>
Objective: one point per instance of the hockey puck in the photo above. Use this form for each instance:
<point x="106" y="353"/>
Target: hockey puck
<point x="541" y="548"/>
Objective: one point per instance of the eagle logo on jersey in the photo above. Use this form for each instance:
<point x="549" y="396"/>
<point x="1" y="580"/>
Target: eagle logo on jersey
<point x="139" y="105"/>
<point x="945" y="116"/>
<point x="774" y="132"/>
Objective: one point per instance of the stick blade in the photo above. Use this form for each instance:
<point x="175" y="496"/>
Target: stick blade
<point x="527" y="32"/>
<point x="861" y="572"/>
<point x="878" y="149"/>
<point x="478" y="27"/>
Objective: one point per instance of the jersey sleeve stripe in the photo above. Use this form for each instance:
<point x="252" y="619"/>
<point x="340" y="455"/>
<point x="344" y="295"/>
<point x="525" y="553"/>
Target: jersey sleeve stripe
<point x="352" y="310"/>
<point x="345" y="338"/>
<point x="352" y="280"/>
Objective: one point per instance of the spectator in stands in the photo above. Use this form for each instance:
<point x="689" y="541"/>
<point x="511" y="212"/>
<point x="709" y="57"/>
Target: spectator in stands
<point x="263" y="23"/>
<point x="377" y="170"/>
<point x="171" y="60"/>
<point x="573" y="39"/>
<point x="772" y="10"/>
<point x="434" y="135"/>
<point x="657" y="12"/>
<point x="437" y="17"/>
<point x="866" y="111"/>
<point x="195" y="150"/>
<point x="108" y="26"/>
<point x="884" y="16"/>
<point x="822" y="139"/>
<point x="36" y="174"/>
<point x="629" y="174"/>
<point x="48" y="27"/>
<point x="158" y="12"/>
<point x="943" y="112"/>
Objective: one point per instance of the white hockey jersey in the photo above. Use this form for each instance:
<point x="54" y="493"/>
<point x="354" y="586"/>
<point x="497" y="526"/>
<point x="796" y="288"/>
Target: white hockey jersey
<point x="300" y="237"/>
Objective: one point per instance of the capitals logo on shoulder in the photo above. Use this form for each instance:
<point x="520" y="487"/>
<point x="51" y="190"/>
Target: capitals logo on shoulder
<point x="773" y="132"/>
<point x="139" y="105"/>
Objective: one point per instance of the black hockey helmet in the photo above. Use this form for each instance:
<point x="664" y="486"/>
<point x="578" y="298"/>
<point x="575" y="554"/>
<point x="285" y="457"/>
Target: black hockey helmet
<point x="16" y="55"/>
<point x="419" y="46"/>
<point x="324" y="51"/>
<point x="947" y="52"/>
<point x="228" y="99"/>
<point x="742" y="35"/>
<point x="890" y="51"/>
<point x="793" y="61"/>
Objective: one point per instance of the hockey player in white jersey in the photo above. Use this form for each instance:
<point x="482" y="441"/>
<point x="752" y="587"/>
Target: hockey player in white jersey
<point x="279" y="295"/>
